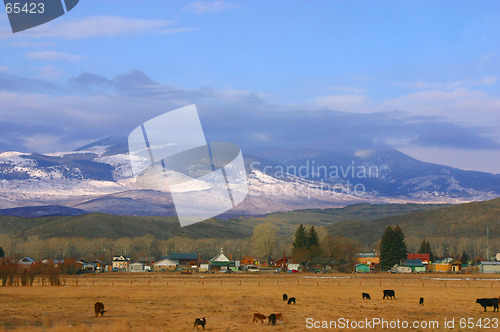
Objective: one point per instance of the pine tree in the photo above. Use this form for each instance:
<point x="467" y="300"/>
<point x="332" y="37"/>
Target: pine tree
<point x="393" y="247"/>
<point x="313" y="243"/>
<point x="312" y="238"/>
<point x="299" y="246"/>
<point x="429" y="251"/>
<point x="400" y="248"/>
<point x="387" y="258"/>
<point x="2" y="253"/>
<point x="423" y="247"/>
<point x="464" y="259"/>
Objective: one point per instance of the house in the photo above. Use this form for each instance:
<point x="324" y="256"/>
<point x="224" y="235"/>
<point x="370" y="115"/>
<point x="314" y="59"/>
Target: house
<point x="416" y="265"/>
<point x="26" y="261"/>
<point x="164" y="265"/>
<point x="281" y="263"/>
<point x="183" y="259"/>
<point x="137" y="267"/>
<point x="361" y="268"/>
<point x="489" y="267"/>
<point x="368" y="258"/>
<point x="121" y="263"/>
<point x="99" y="265"/>
<point x="456" y="266"/>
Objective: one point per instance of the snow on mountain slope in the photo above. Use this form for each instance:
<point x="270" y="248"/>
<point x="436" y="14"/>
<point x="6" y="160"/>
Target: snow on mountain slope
<point x="98" y="178"/>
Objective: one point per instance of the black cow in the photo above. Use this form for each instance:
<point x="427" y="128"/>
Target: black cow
<point x="199" y="322"/>
<point x="421" y="302"/>
<point x="290" y="300"/>
<point x="285" y="297"/>
<point x="390" y="294"/>
<point x="271" y="319"/>
<point x="488" y="303"/>
<point x="366" y="296"/>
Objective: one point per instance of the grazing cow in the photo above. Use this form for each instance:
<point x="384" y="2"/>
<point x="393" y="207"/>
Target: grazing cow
<point x="421" y="302"/>
<point x="390" y="294"/>
<point x="290" y="300"/>
<point x="99" y="309"/>
<point x="199" y="322"/>
<point x="285" y="297"/>
<point x="271" y="319"/>
<point x="257" y="317"/>
<point x="366" y="296"/>
<point x="488" y="303"/>
<point x="279" y="316"/>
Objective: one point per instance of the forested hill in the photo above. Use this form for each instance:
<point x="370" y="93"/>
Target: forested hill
<point x="460" y="221"/>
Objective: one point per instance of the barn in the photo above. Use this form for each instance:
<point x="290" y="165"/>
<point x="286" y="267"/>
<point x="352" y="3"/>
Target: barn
<point x="489" y="267"/>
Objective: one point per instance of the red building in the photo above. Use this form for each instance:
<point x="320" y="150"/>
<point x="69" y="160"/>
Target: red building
<point x="425" y="258"/>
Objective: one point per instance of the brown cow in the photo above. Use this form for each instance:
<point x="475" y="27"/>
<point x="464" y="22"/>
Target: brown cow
<point x="257" y="317"/>
<point x="99" y="309"/>
<point x="279" y="316"/>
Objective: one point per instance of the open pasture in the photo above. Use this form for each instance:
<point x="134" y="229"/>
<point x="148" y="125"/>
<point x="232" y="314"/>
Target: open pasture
<point x="171" y="302"/>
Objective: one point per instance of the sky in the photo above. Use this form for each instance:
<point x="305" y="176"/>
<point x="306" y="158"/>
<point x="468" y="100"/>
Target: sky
<point x="418" y="76"/>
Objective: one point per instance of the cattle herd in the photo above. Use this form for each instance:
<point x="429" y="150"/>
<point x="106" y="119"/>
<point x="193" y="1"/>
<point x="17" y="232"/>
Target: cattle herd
<point x="272" y="318"/>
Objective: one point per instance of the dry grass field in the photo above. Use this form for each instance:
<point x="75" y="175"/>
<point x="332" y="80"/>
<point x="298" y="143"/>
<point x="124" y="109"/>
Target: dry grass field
<point x="171" y="302"/>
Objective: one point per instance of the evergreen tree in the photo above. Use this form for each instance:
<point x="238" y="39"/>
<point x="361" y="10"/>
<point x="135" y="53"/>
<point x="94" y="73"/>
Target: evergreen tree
<point x="423" y="247"/>
<point x="429" y="251"/>
<point x="400" y="248"/>
<point x="393" y="247"/>
<point x="299" y="246"/>
<point x="464" y="259"/>
<point x="2" y="253"/>
<point x="387" y="258"/>
<point x="312" y="238"/>
<point x="313" y="243"/>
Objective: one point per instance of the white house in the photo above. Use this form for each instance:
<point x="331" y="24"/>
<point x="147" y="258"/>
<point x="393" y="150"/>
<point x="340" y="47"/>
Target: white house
<point x="164" y="265"/>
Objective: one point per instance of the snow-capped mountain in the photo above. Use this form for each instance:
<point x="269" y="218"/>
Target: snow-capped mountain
<point x="98" y="178"/>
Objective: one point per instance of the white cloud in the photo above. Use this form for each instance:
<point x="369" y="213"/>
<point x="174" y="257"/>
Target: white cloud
<point x="463" y="105"/>
<point x="53" y="55"/>
<point x="346" y="103"/>
<point x="30" y="44"/>
<point x="477" y="160"/>
<point x="50" y="72"/>
<point x="200" y="7"/>
<point x="99" y="26"/>
<point x="466" y="83"/>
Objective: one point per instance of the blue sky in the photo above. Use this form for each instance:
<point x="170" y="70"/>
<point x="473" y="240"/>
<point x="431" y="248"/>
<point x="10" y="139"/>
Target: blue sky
<point x="419" y="76"/>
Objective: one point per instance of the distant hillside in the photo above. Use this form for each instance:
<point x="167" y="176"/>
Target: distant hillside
<point x="464" y="220"/>
<point x="96" y="225"/>
<point x="362" y="211"/>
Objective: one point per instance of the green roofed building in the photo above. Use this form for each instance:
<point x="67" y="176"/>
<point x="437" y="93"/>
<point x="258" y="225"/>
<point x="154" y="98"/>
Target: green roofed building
<point x="415" y="265"/>
<point x="361" y="268"/>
